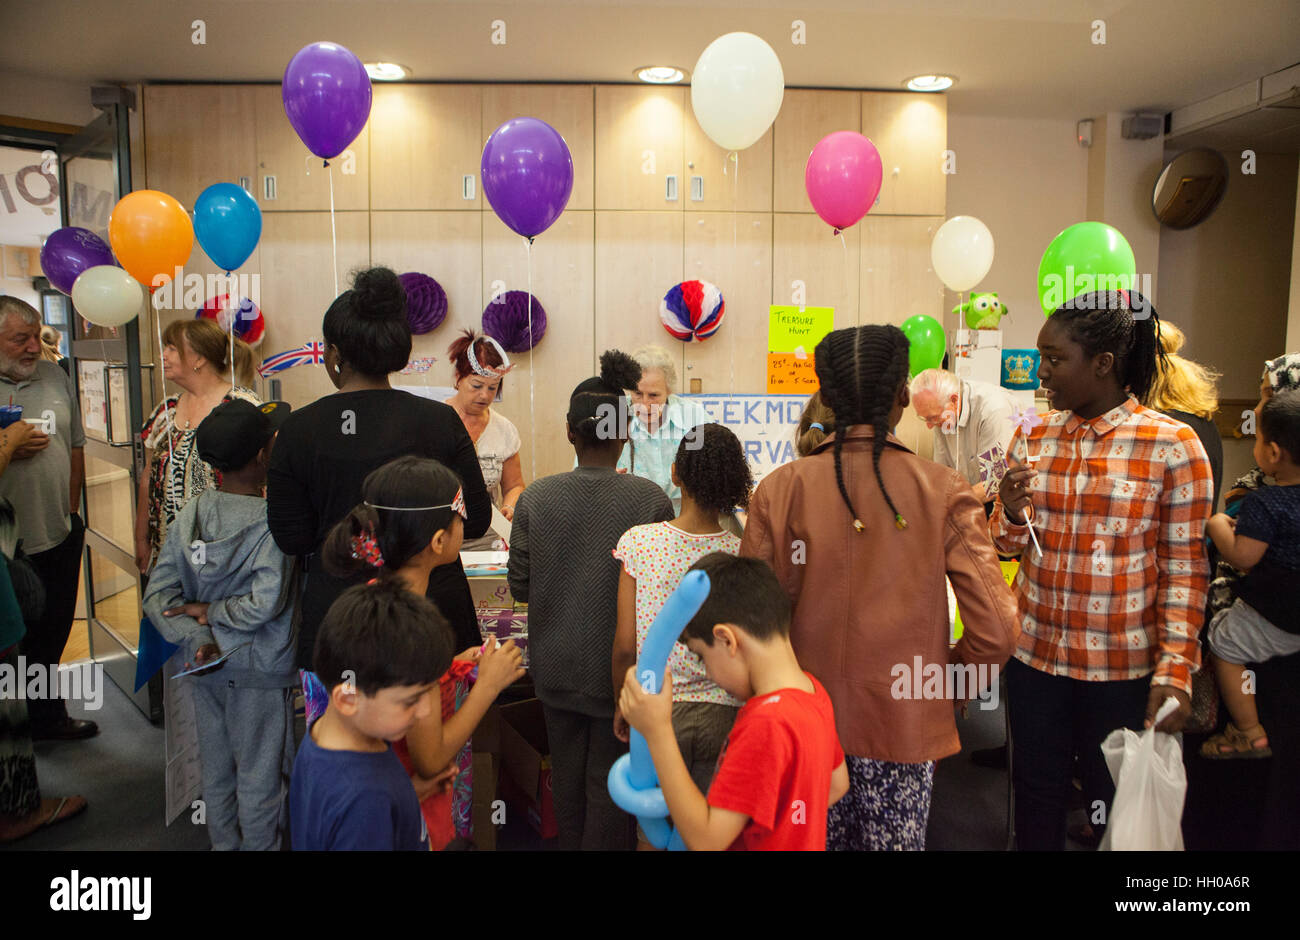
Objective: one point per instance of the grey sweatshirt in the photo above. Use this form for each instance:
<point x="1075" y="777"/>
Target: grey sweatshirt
<point x="219" y="551"/>
<point x="562" y="565"/>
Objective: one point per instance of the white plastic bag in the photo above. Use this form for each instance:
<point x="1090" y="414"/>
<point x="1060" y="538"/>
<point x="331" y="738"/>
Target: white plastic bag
<point x="1150" y="786"/>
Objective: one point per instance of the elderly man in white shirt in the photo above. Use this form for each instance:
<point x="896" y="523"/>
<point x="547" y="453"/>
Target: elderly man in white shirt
<point x="972" y="425"/>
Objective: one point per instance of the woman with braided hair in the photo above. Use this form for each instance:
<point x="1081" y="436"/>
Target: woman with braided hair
<point x="1113" y="594"/>
<point x="861" y="534"/>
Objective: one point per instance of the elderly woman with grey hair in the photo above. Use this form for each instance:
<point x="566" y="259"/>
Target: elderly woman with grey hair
<point x="661" y="419"/>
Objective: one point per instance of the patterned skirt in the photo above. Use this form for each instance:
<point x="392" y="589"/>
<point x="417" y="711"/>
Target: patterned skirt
<point x="19" y="794"/>
<point x="886" y="809"/>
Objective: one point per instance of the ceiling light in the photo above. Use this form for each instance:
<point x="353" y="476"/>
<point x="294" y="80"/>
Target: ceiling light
<point x="386" y="71"/>
<point x="660" y="74"/>
<point x="929" y="82"/>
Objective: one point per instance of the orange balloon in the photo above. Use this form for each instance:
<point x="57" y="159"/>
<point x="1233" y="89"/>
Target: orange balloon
<point x="152" y="235"/>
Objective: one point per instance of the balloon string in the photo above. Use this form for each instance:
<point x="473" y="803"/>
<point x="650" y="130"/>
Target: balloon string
<point x="735" y="199"/>
<point x="532" y="368"/>
<point x="230" y="290"/>
<point x="334" y="235"/>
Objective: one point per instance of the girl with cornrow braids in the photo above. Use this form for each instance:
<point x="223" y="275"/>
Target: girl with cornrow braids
<point x="862" y="534"/>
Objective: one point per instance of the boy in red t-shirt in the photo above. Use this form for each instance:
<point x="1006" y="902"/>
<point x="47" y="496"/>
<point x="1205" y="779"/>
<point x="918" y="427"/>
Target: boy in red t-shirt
<point x="782" y="766"/>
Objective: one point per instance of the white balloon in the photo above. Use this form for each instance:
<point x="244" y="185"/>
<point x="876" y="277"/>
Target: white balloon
<point x="736" y="90"/>
<point x="962" y="252"/>
<point x="107" y="296"/>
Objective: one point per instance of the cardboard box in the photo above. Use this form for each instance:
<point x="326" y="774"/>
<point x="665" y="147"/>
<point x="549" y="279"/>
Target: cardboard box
<point x="491" y="591"/>
<point x="526" y="760"/>
<point x="487" y="770"/>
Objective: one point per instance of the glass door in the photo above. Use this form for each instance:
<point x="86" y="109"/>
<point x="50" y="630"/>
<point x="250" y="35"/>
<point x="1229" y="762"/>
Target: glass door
<point x="95" y="172"/>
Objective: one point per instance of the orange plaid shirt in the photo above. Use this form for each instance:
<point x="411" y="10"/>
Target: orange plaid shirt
<point x="1119" y="508"/>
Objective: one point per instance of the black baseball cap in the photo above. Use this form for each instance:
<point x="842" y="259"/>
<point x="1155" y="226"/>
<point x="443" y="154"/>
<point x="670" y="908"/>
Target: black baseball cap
<point x="234" y="431"/>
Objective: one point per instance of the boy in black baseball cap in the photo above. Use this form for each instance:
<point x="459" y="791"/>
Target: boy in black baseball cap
<point x="221" y="589"/>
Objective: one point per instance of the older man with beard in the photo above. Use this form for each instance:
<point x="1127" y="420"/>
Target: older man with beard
<point x="43" y="482"/>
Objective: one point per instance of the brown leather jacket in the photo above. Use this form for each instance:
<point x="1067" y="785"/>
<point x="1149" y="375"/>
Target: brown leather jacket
<point x="867" y="603"/>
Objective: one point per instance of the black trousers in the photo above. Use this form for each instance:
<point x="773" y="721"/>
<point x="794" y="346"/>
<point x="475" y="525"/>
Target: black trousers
<point x="1052" y="719"/>
<point x="59" y="569"/>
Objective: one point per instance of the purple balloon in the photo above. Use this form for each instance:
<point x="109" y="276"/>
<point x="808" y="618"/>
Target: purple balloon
<point x="326" y="94"/>
<point x="68" y="252"/>
<point x="527" y="174"/>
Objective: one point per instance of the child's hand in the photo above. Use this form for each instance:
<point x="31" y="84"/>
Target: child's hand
<point x="441" y="782"/>
<point x="198" y="611"/>
<point x="622" y="730"/>
<point x="470" y="655"/>
<point x="499" y="666"/>
<point x="205" y="654"/>
<point x="643" y="711"/>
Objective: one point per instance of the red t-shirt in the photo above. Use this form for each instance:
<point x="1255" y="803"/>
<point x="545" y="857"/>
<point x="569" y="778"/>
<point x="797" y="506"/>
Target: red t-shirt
<point x="776" y="769"/>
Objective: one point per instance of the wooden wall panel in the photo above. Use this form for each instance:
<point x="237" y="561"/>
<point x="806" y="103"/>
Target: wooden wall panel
<point x="911" y="133"/>
<point x="805" y="251"/>
<point x="197" y="135"/>
<point x="536" y="395"/>
<point x="896" y="278"/>
<point x="752" y="167"/>
<point x="806" y="117"/>
<point x="734" y="251"/>
<point x="638" y="144"/>
<point x="638" y="259"/>
<point x="423" y="140"/>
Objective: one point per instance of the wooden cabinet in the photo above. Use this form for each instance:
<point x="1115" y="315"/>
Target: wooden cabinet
<point x="197" y="135"/>
<point x="806" y="117"/>
<point x="424" y="140"/>
<point x="536" y="393"/>
<point x="811" y="265"/>
<point x="639" y="146"/>
<point x="733" y="251"/>
<point x="896" y="278"/>
<point x="911" y="132"/>
<point x="567" y="108"/>
<point x="744" y="183"/>
<point x="299" y="179"/>
<point x="638" y="259"/>
<point x="297" y="287"/>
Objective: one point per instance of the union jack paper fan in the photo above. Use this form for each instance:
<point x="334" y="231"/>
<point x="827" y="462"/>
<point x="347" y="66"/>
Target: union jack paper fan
<point x="692" y="310"/>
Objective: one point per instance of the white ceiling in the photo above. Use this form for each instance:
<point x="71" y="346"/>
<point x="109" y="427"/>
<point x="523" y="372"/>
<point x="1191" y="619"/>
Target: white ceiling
<point x="1029" y="58"/>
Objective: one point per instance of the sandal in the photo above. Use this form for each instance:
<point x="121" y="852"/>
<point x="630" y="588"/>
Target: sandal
<point x="24" y="826"/>
<point x="1233" y="742"/>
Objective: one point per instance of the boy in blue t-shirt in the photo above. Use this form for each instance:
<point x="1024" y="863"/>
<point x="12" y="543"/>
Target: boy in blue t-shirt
<point x="1263" y="541"/>
<point x="380" y="651"/>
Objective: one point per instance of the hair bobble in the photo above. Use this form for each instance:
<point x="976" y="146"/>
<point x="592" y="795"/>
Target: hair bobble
<point x="365" y="548"/>
<point x="817" y="425"/>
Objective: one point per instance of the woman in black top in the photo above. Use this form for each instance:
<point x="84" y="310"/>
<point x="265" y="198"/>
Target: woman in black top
<point x="325" y="450"/>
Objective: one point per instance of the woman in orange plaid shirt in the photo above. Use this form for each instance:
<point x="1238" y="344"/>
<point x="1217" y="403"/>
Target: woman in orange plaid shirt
<point x="1113" y="594"/>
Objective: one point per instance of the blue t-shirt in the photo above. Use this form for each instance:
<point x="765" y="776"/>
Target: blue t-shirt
<point x="353" y="800"/>
<point x="1271" y="514"/>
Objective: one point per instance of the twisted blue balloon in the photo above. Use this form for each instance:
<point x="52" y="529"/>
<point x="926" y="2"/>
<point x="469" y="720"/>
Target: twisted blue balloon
<point x="633" y="783"/>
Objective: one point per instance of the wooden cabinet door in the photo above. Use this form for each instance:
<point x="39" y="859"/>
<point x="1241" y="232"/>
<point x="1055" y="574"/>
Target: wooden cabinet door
<point x="197" y="135"/>
<point x="733" y="251"/>
<point x="639" y="146"/>
<point x="896" y="278"/>
<point x="811" y="266"/>
<point x="299" y="178"/>
<point x="744" y="184"/>
<point x="638" y="259"/>
<point x="806" y="117"/>
<point x="911" y="132"/>
<point x="424" y="140"/>
<point x="536" y="393"/>
<point x="567" y="108"/>
<point x="297" y="261"/>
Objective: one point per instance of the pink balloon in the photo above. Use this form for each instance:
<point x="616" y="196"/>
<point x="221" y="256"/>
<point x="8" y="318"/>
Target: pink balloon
<point x="843" y="178"/>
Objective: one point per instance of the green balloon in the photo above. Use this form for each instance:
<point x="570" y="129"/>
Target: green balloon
<point x="926" y="343"/>
<point x="1087" y="256"/>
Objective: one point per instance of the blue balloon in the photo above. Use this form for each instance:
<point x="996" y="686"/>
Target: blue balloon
<point x="228" y="224"/>
<point x="633" y="783"/>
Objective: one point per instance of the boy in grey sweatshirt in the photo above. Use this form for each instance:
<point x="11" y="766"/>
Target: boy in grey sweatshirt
<point x="222" y="585"/>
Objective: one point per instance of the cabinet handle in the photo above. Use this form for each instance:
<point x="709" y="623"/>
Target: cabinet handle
<point x="268" y="188"/>
<point x="467" y="186"/>
<point x="246" y="184"/>
<point x="670" y="188"/>
<point x="697" y="189"/>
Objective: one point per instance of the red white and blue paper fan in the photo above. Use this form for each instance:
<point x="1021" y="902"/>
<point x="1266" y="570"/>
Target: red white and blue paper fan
<point x="250" y="325"/>
<point x="692" y="310"/>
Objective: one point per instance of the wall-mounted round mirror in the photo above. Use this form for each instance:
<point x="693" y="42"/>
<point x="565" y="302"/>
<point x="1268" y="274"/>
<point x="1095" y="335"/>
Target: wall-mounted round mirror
<point x="1190" y="187"/>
